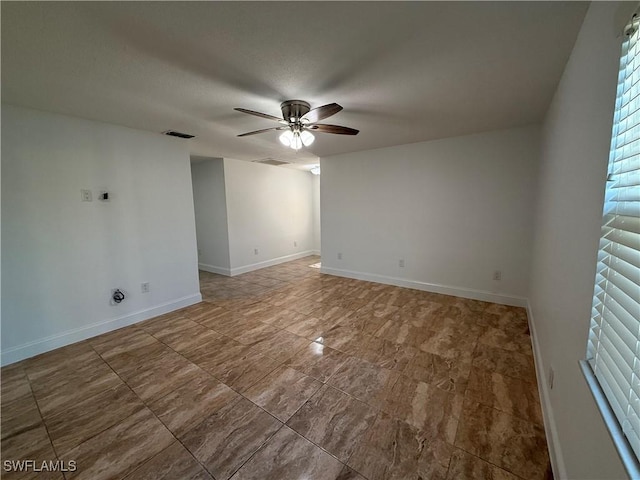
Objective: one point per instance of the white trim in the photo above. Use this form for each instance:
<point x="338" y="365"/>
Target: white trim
<point x="551" y="432"/>
<point x="270" y="263"/>
<point x="36" y="347"/>
<point x="430" y="287"/>
<point x="627" y="455"/>
<point x="214" y="269"/>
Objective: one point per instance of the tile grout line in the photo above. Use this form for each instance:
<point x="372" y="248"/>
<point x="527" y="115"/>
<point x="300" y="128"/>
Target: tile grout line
<point x="176" y="439"/>
<point x="464" y="395"/>
<point x="44" y="423"/>
<point x="489" y="406"/>
<point x="291" y="416"/>
<point x="490" y="463"/>
<point x="260" y="447"/>
<point x="44" y="420"/>
<point x="240" y="395"/>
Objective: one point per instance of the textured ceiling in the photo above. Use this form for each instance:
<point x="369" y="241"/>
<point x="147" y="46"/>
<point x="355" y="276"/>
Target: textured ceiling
<point x="403" y="71"/>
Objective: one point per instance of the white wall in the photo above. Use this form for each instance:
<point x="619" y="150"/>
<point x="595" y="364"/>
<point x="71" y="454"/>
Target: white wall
<point x="455" y="210"/>
<point x="210" y="204"/>
<point x="315" y="186"/>
<point x="575" y="146"/>
<point x="62" y="256"/>
<point x="268" y="209"/>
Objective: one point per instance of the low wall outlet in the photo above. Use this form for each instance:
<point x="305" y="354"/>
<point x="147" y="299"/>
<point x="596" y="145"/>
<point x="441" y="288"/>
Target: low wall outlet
<point x="497" y="275"/>
<point x="401" y="263"/>
<point x="144" y="287"/>
<point x="295" y="244"/>
<point x="255" y="251"/>
<point x="551" y="377"/>
<point x="339" y="256"/>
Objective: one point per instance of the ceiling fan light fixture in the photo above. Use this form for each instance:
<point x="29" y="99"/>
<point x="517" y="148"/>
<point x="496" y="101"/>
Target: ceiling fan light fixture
<point x="286" y="138"/>
<point x="296" y="141"/>
<point x="307" y="138"/>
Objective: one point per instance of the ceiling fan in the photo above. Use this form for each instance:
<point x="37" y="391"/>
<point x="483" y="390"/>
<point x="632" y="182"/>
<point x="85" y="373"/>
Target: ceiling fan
<point x="298" y="121"/>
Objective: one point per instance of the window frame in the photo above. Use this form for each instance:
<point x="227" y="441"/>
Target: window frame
<point x="629" y="457"/>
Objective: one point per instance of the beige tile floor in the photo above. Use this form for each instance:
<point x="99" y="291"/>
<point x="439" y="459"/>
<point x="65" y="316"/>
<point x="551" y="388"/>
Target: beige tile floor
<point x="285" y="373"/>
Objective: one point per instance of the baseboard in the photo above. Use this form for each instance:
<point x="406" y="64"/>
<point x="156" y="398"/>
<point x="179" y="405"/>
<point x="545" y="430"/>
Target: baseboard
<point x="551" y="432"/>
<point x="214" y="269"/>
<point x="15" y="354"/>
<point x="430" y="287"/>
<point x="272" y="262"/>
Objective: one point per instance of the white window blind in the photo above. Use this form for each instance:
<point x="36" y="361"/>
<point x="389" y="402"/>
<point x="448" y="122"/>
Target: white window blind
<point x="613" y="350"/>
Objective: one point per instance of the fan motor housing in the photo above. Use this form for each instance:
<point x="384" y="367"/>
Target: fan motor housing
<point x="294" y="109"/>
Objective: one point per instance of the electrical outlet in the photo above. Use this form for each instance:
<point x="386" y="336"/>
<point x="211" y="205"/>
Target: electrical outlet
<point x="86" y="196"/>
<point x="550" y="378"/>
<point x="144" y="287"/>
<point x="497" y="275"/>
<point x="199" y="252"/>
<point x="255" y="251"/>
<point x="339" y="256"/>
<point x="401" y="263"/>
<point x="295" y="244"/>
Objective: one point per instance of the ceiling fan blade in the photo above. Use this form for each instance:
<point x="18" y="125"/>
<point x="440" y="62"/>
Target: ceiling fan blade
<point x="262" y="131"/>
<point x="333" y="129"/>
<point x="322" y="112"/>
<point x="258" y="114"/>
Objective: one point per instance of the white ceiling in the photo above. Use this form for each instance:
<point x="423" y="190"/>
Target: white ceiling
<point x="403" y="71"/>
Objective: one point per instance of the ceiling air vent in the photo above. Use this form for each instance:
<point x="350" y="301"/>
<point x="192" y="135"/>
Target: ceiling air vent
<point x="271" y="161"/>
<point x="173" y="133"/>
